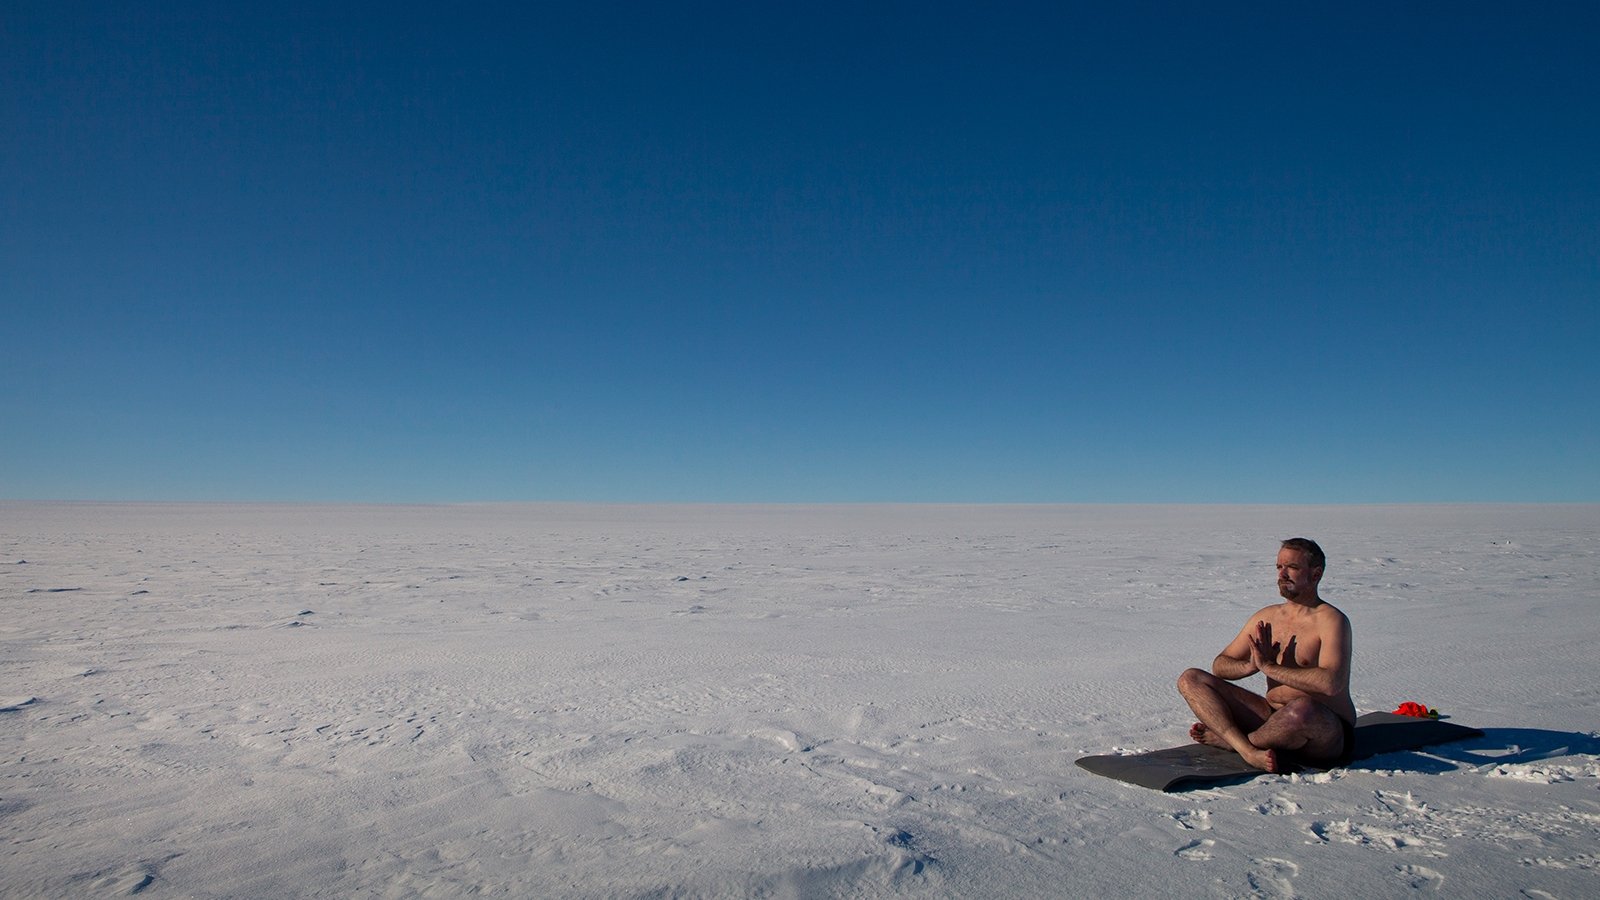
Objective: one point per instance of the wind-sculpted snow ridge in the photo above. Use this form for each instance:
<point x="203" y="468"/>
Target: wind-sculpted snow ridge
<point x="577" y="701"/>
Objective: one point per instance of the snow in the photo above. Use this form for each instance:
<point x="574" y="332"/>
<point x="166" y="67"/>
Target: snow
<point x="587" y="701"/>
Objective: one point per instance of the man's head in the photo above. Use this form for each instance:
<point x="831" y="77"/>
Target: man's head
<point x="1300" y="564"/>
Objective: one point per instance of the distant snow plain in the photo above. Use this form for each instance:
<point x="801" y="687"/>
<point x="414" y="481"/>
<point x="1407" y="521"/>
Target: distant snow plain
<point x="789" y="701"/>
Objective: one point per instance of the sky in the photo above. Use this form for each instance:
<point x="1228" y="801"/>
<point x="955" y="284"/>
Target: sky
<point x="736" y="252"/>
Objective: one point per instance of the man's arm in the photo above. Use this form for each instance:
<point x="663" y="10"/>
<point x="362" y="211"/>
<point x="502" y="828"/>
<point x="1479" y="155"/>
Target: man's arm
<point x="1235" y="662"/>
<point x="1226" y="667"/>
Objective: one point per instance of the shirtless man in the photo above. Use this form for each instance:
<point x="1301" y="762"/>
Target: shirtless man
<point x="1302" y="645"/>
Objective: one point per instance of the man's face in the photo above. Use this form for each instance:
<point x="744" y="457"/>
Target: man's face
<point x="1296" y="578"/>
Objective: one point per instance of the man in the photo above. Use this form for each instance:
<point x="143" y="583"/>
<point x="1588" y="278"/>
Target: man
<point x="1303" y="646"/>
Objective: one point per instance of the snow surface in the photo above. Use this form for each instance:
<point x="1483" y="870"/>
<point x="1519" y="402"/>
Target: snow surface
<point x="571" y="700"/>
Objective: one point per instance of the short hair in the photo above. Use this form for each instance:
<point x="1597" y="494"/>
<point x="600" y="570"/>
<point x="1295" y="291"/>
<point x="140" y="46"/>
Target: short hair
<point x="1309" y="548"/>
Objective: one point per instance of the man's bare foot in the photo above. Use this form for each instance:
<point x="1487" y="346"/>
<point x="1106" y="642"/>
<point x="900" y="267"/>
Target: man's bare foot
<point x="1204" y="735"/>
<point x="1265" y="760"/>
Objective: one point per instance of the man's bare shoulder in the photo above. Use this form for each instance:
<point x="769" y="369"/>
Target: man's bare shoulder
<point x="1325" y="616"/>
<point x="1328" y="610"/>
<point x="1323" y="611"/>
<point x="1270" y="613"/>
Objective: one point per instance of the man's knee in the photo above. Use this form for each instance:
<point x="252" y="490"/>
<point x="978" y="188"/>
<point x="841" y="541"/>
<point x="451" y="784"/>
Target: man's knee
<point x="1298" y="713"/>
<point x="1194" y="678"/>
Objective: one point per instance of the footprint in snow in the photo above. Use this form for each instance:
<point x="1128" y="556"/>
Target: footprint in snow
<point x="1270" y="877"/>
<point x="1420" y="878"/>
<point x="1278" y="806"/>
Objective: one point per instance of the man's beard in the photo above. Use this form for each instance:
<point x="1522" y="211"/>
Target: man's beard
<point x="1287" y="590"/>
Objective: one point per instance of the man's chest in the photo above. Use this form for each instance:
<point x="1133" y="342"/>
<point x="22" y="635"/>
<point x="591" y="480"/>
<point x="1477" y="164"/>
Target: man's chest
<point x="1301" y="639"/>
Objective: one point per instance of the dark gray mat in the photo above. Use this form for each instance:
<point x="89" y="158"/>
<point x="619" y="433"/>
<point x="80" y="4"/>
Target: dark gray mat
<point x="1192" y="765"/>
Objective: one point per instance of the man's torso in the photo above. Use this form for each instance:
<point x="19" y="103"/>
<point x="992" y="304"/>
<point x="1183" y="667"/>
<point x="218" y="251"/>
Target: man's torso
<point x="1307" y="631"/>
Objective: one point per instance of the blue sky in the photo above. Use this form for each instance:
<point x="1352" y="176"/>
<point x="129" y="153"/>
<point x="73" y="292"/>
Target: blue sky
<point x="803" y="252"/>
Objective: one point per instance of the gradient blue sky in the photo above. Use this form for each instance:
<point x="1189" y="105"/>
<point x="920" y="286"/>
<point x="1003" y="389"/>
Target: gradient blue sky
<point x="800" y="252"/>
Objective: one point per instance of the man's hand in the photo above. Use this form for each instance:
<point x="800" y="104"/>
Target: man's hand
<point x="1263" y="651"/>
